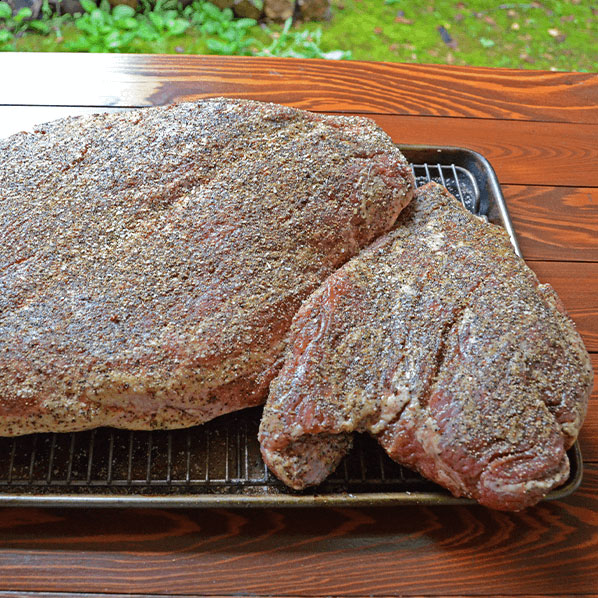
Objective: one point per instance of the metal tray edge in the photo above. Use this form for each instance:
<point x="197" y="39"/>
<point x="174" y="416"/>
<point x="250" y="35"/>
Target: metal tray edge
<point x="492" y="181"/>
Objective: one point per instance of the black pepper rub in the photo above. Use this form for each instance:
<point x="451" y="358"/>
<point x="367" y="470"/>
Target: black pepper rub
<point x="440" y="342"/>
<point x="151" y="261"/>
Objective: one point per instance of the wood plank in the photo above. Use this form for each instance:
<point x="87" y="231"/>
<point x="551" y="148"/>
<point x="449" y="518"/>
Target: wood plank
<point x="576" y="283"/>
<point x="297" y="595"/>
<point x="588" y="437"/>
<point x="110" y="595"/>
<point x="522" y="153"/>
<point x="441" y="551"/>
<point x="434" y="90"/>
<point x="555" y="223"/>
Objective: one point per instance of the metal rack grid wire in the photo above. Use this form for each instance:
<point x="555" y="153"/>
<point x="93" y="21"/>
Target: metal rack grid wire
<point x="458" y="180"/>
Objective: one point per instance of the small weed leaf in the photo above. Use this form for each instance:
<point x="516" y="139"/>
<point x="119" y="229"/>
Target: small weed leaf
<point x="245" y="23"/>
<point x="156" y="20"/>
<point x="122" y="11"/>
<point x="212" y="11"/>
<point x="5" y="10"/>
<point x="88" y="5"/>
<point x="40" y="26"/>
<point x="24" y="13"/>
<point x="128" y="23"/>
<point x="177" y="26"/>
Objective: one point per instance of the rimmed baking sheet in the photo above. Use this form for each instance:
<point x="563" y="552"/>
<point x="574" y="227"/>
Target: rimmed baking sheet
<point x="218" y="464"/>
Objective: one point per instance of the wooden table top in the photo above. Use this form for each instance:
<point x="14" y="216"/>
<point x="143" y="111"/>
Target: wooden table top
<point x="540" y="132"/>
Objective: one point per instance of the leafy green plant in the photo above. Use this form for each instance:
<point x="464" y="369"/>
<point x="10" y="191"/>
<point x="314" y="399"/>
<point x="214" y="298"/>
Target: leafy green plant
<point x="102" y="29"/>
<point x="106" y="29"/>
<point x="161" y="21"/>
<point x="228" y="35"/>
<point x="50" y="21"/>
<point x="44" y="24"/>
<point x="11" y="26"/>
<point x="299" y="44"/>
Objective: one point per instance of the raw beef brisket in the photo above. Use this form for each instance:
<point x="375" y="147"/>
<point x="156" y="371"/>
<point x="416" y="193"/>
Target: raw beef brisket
<point x="151" y="261"/>
<point x="440" y="342"/>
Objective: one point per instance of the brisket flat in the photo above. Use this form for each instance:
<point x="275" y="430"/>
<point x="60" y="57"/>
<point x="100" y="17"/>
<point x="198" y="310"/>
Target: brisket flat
<point x="151" y="261"/>
<point x="440" y="342"/>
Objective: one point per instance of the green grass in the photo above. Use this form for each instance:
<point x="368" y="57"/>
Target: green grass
<point x="558" y="35"/>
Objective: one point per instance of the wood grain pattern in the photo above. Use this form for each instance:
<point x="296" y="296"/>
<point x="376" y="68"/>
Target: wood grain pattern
<point x="523" y="153"/>
<point x="343" y="552"/>
<point x="555" y="223"/>
<point x="588" y="437"/>
<point x="434" y="90"/>
<point x="579" y="297"/>
<point x="111" y="595"/>
<point x="94" y="595"/>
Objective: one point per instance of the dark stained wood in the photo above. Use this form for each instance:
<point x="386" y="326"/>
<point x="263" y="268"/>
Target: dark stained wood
<point x="555" y="223"/>
<point x="340" y="552"/>
<point x="91" y="80"/>
<point x="94" y="595"/>
<point x="523" y="153"/>
<point x="111" y="595"/>
<point x="588" y="437"/>
<point x="577" y="285"/>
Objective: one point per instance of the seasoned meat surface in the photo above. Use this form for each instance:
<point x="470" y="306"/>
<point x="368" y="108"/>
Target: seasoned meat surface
<point x="440" y="342"/>
<point x="151" y="261"/>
